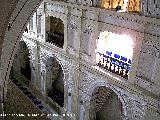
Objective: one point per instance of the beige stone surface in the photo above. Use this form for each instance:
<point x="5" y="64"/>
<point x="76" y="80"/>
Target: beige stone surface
<point x="139" y="94"/>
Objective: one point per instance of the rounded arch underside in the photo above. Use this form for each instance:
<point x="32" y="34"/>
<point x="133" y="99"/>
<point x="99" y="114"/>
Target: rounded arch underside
<point x="18" y="23"/>
<point x="91" y="89"/>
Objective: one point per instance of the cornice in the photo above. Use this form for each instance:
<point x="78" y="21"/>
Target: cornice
<point x="133" y="21"/>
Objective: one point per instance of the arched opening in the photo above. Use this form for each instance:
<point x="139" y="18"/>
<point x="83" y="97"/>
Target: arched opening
<point x="21" y="70"/>
<point x="15" y="24"/>
<point x="114" y="53"/>
<point x="120" y="5"/>
<point x="55" y="83"/>
<point x="105" y="105"/>
<point x="55" y="31"/>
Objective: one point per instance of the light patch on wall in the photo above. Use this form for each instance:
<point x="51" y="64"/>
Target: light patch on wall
<point x="115" y="43"/>
<point x="126" y="5"/>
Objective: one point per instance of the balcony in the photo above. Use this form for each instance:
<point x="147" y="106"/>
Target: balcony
<point x="55" y="38"/>
<point x="118" y="65"/>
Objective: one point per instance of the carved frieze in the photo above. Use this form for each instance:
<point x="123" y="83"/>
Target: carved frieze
<point x="31" y="47"/>
<point x="151" y="7"/>
<point x="55" y="7"/>
<point x="133" y="99"/>
<point x="67" y="68"/>
<point x="133" y="107"/>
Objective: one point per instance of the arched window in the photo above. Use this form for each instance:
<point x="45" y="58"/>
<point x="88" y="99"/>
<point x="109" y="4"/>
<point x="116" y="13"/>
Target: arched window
<point x="120" y="5"/>
<point x="21" y="69"/>
<point x="54" y="81"/>
<point x="55" y="31"/>
<point x="105" y="105"/>
<point x="114" y="53"/>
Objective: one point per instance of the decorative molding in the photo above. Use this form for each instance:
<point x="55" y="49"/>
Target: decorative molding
<point x="55" y="7"/>
<point x="134" y="108"/>
<point x="31" y="47"/>
<point x="138" y="27"/>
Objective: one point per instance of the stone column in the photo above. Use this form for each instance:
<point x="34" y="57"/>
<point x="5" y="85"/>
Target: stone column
<point x="69" y="91"/>
<point x="43" y="81"/>
<point x="65" y="32"/>
<point x="35" y="24"/>
<point x="82" y="111"/>
<point x="33" y="75"/>
<point x="43" y="29"/>
<point x="39" y="22"/>
<point x="88" y="39"/>
<point x="69" y="103"/>
<point x="37" y="66"/>
<point x="66" y="88"/>
<point x="31" y="24"/>
<point x="42" y="59"/>
<point x="74" y="32"/>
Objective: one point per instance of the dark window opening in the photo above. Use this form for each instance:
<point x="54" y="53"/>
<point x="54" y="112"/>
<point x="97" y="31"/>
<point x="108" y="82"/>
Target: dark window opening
<point x="55" y="31"/>
<point x="105" y="105"/>
<point x="55" y="83"/>
<point x="21" y="70"/>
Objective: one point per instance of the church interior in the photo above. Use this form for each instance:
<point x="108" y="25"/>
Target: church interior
<point x="80" y="60"/>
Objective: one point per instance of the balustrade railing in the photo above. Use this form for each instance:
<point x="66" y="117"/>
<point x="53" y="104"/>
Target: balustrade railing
<point x="55" y="38"/>
<point x="117" y="64"/>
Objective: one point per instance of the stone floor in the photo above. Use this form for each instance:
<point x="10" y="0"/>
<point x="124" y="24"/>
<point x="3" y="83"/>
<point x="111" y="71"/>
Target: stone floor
<point x="18" y="107"/>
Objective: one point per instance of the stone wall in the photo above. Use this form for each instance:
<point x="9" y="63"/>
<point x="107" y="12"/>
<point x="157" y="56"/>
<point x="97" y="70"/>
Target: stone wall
<point x="139" y="94"/>
<point x="85" y="25"/>
<point x="48" y="69"/>
<point x="82" y="24"/>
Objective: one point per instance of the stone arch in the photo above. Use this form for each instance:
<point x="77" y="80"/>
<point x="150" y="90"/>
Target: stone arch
<point x="55" y="81"/>
<point x="55" y="31"/>
<point x="16" y="26"/>
<point x="67" y="70"/>
<point x="104" y="91"/>
<point x="21" y="63"/>
<point x="56" y="19"/>
<point x="68" y="81"/>
<point x="46" y="55"/>
<point x="53" y="57"/>
<point x="62" y="17"/>
<point x="86" y="98"/>
<point x="32" y="47"/>
<point x="57" y="15"/>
